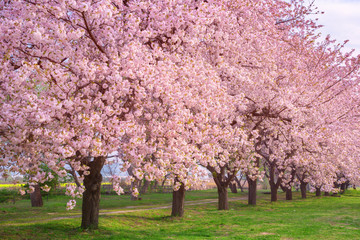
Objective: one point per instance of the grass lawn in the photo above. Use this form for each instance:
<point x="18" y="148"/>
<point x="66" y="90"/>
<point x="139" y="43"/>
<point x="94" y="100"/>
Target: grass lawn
<point x="55" y="206"/>
<point x="312" y="218"/>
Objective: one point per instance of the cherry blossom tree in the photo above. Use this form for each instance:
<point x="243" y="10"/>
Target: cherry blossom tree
<point x="171" y="85"/>
<point x="82" y="84"/>
<point x="88" y="81"/>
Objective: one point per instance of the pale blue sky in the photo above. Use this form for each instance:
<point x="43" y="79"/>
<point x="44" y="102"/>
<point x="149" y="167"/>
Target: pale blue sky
<point x="341" y="20"/>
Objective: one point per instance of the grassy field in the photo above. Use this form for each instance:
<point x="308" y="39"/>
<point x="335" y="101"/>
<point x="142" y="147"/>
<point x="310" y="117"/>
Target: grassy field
<point x="55" y="206"/>
<point x="313" y="218"/>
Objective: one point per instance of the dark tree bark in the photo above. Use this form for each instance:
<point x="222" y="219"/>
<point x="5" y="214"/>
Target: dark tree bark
<point x="222" y="181"/>
<point x="344" y="186"/>
<point x="303" y="184"/>
<point x="326" y="194"/>
<point x="145" y="187"/>
<point x="274" y="185"/>
<point x="178" y="202"/>
<point x="233" y="188"/>
<point x="223" y="203"/>
<point x="289" y="190"/>
<point x="155" y="186"/>
<point x="273" y="189"/>
<point x="73" y="173"/>
<point x="252" y="190"/>
<point x="163" y="182"/>
<point x="303" y="189"/>
<point x="289" y="194"/>
<point x="238" y="181"/>
<point x="252" y="185"/>
<point x="91" y="196"/>
<point x="36" y="198"/>
<point x="318" y="192"/>
<point x="274" y="171"/>
<point x="274" y="179"/>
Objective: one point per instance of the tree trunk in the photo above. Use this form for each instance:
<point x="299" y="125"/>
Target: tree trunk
<point x="273" y="189"/>
<point x="303" y="189"/>
<point x="36" y="198"/>
<point x="274" y="185"/>
<point x="252" y="184"/>
<point x="342" y="188"/>
<point x="145" y="187"/>
<point x="222" y="181"/>
<point x="223" y="203"/>
<point x="318" y="192"/>
<point x="238" y="181"/>
<point x="155" y="186"/>
<point x="178" y="202"/>
<point x="288" y="194"/>
<point x="91" y="196"/>
<point x="163" y="182"/>
<point x="289" y="190"/>
<point x="233" y="188"/>
<point x="326" y="194"/>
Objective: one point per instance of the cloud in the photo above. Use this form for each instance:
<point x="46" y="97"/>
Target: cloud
<point x="341" y="20"/>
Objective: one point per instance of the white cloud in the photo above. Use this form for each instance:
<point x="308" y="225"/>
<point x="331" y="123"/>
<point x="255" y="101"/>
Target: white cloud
<point x="341" y="20"/>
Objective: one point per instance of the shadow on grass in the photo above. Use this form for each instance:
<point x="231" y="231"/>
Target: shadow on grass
<point x="142" y="217"/>
<point x="49" y="230"/>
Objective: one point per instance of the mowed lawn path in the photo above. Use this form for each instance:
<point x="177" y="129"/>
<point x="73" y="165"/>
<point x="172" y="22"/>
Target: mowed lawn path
<point x="312" y="218"/>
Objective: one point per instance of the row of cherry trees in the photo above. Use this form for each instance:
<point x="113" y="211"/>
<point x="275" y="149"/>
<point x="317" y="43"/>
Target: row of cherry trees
<point x="170" y="86"/>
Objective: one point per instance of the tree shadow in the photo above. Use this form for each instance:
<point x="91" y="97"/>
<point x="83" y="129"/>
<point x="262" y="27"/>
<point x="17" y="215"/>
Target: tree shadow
<point x="148" y="218"/>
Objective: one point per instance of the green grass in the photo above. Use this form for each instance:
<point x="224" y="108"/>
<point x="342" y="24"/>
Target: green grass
<point x="55" y="205"/>
<point x="312" y="218"/>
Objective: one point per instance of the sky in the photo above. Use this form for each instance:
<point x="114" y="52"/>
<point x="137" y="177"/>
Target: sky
<point x="341" y="20"/>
